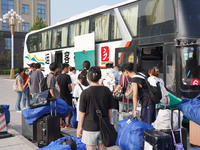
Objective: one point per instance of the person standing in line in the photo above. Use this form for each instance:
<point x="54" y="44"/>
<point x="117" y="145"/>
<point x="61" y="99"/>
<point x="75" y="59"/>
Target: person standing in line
<point x="88" y="125"/>
<point x="141" y="90"/>
<point x="26" y="93"/>
<point x="35" y="78"/>
<point x="118" y="69"/>
<point x="123" y="105"/>
<point x="82" y="85"/>
<point x="19" y="82"/>
<point x="65" y="88"/>
<point x="86" y="67"/>
<point x="51" y="80"/>
<point x="73" y="77"/>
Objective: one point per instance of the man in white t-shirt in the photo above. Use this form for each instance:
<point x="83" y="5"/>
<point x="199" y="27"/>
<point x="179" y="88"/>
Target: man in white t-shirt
<point x="73" y="77"/>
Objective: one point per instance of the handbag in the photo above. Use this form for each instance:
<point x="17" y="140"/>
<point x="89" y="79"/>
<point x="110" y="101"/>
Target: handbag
<point x="129" y="87"/>
<point x="16" y="87"/>
<point x="108" y="132"/>
<point x="120" y="93"/>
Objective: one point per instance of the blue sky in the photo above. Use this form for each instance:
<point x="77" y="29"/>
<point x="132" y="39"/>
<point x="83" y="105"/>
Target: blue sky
<point x="63" y="9"/>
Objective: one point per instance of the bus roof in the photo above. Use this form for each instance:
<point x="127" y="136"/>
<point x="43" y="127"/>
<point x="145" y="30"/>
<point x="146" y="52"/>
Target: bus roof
<point x="85" y="14"/>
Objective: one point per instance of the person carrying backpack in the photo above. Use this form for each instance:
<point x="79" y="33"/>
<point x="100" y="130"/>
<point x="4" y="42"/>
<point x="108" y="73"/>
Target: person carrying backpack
<point x="110" y="77"/>
<point x="140" y="89"/>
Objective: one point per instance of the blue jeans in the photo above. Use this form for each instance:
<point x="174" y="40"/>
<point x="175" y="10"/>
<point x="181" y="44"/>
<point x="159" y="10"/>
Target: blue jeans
<point x="148" y="113"/>
<point x="25" y="97"/>
<point x="19" y="97"/>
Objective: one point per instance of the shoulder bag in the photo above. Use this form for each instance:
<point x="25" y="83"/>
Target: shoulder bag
<point x="119" y="94"/>
<point x="16" y="87"/>
<point x="108" y="132"/>
<point x="129" y="87"/>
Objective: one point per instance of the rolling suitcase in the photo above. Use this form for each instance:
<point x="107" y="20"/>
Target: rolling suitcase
<point x="48" y="128"/>
<point x="29" y="131"/>
<point x="179" y="135"/>
<point x="156" y="140"/>
<point x="194" y="134"/>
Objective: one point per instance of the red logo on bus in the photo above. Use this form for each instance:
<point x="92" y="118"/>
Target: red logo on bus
<point x="105" y="53"/>
<point x="195" y="81"/>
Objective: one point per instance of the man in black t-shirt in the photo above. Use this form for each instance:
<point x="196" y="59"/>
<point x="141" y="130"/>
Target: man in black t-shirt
<point x="64" y="85"/>
<point x="140" y="89"/>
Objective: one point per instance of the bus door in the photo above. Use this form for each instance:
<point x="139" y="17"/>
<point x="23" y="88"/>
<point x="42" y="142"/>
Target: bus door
<point x="59" y="58"/>
<point x="126" y="54"/>
<point x="84" y="50"/>
<point x="151" y="56"/>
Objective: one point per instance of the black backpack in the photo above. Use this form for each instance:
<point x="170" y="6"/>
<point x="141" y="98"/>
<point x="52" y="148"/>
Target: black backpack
<point x="155" y="92"/>
<point x="43" y="84"/>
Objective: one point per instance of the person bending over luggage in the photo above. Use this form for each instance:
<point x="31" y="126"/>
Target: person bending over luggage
<point x="140" y="89"/>
<point x="51" y="80"/>
<point x="88" y="125"/>
<point x="64" y="85"/>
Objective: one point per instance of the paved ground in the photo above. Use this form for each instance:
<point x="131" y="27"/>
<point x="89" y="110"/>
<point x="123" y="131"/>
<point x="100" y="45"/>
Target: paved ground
<point x="17" y="141"/>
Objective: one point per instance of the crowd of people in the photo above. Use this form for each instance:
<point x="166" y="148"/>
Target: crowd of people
<point x="86" y="86"/>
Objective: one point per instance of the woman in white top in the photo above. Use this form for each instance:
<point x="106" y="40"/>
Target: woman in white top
<point x="153" y="79"/>
<point x="82" y="85"/>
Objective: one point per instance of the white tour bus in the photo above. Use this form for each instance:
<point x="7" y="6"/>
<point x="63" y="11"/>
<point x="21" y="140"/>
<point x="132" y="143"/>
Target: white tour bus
<point x="92" y="36"/>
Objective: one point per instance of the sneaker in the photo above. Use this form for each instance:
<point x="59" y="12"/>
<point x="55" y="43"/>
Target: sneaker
<point x="66" y="126"/>
<point x="61" y="125"/>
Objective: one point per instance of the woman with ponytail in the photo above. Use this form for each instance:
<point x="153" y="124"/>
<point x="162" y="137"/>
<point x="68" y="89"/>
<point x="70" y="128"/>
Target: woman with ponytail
<point x="82" y="85"/>
<point x="88" y="125"/>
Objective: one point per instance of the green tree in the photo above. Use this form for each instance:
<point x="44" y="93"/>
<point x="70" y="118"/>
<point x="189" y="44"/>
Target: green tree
<point x="38" y="24"/>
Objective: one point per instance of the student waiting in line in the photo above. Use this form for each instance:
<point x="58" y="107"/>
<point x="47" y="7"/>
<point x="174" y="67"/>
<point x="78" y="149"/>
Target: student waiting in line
<point x="140" y="89"/>
<point x="64" y="85"/>
<point x="88" y="125"/>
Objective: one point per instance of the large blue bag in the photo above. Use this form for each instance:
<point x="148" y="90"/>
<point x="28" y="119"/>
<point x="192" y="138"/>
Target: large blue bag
<point x="7" y="113"/>
<point x="32" y="115"/>
<point x="55" y="144"/>
<point x="73" y="121"/>
<point x="191" y="108"/>
<point x="130" y="134"/>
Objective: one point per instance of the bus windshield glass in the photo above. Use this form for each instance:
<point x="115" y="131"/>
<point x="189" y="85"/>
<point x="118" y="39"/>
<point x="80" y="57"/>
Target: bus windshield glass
<point x="190" y="65"/>
<point x="189" y="18"/>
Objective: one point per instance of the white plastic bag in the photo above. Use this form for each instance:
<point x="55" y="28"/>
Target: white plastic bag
<point x="163" y="120"/>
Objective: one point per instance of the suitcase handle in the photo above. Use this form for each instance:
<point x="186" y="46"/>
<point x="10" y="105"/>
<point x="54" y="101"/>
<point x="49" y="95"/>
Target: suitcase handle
<point x="172" y="119"/>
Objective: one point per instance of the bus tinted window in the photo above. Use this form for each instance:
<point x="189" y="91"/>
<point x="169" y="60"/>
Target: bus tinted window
<point x="46" y="40"/>
<point x="32" y="43"/>
<point x="115" y="34"/>
<point x="60" y="37"/>
<point x="78" y="28"/>
<point x="156" y="18"/>
<point x="130" y="16"/>
<point x="100" y="25"/>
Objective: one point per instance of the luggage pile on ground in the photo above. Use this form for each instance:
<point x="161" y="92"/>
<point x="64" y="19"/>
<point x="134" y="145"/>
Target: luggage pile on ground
<point x="41" y="122"/>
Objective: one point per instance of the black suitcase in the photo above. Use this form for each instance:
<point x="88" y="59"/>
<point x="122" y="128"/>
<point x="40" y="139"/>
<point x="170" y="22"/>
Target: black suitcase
<point x="29" y="131"/>
<point x="177" y="132"/>
<point x="156" y="140"/>
<point x="48" y="128"/>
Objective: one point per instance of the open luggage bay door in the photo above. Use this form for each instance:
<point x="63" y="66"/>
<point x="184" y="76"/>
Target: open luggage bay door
<point x="84" y="50"/>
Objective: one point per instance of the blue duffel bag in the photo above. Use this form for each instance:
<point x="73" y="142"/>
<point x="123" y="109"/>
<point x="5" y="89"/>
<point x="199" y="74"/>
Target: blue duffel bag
<point x="130" y="134"/>
<point x="57" y="145"/>
<point x="191" y="109"/>
<point x="7" y="113"/>
<point x="73" y="121"/>
<point x="32" y="115"/>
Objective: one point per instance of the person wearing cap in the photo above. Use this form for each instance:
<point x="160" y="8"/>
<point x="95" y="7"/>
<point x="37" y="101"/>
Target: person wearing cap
<point x="109" y="69"/>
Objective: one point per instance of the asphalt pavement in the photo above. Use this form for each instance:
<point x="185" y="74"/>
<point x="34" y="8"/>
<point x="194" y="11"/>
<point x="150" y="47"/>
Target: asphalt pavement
<point x="17" y="141"/>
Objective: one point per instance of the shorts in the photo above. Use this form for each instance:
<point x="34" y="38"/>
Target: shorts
<point x="68" y="100"/>
<point x="91" y="137"/>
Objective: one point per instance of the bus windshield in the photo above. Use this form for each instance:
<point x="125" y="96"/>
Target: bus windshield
<point x="189" y="18"/>
<point x="190" y="65"/>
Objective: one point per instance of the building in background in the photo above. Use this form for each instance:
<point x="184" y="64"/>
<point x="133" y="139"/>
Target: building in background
<point x="29" y="10"/>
